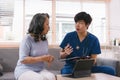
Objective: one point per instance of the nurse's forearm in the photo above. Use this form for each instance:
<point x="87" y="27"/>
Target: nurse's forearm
<point x="94" y="56"/>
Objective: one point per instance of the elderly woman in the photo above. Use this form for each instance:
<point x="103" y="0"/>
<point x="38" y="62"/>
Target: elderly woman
<point x="33" y="51"/>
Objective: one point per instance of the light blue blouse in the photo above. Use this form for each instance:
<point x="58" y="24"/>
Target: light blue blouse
<point x="29" y="47"/>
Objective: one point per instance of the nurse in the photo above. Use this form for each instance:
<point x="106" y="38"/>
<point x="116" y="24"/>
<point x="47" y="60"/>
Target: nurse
<point x="81" y="43"/>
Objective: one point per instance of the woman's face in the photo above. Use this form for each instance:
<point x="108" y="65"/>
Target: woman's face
<point x="46" y="26"/>
<point x="81" y="27"/>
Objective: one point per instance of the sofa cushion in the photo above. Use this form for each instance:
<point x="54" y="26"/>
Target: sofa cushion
<point x="9" y="58"/>
<point x="56" y="65"/>
<point x="7" y="76"/>
<point x="110" y="62"/>
<point x="1" y="67"/>
<point x="105" y="61"/>
<point x="1" y="70"/>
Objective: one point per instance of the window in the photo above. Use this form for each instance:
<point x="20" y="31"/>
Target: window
<point x="15" y="16"/>
<point x="37" y="6"/>
<point x="66" y="13"/>
<point x="65" y="18"/>
<point x="6" y="20"/>
<point x="98" y="26"/>
<point x="61" y="29"/>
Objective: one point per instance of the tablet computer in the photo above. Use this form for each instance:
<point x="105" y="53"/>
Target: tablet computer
<point x="82" y="68"/>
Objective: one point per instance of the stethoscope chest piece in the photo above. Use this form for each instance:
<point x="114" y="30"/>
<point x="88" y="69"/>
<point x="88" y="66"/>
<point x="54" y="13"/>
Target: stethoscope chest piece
<point x="77" y="47"/>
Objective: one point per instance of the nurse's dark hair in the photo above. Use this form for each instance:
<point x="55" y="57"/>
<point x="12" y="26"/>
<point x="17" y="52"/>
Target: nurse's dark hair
<point x="83" y="16"/>
<point x="36" y="26"/>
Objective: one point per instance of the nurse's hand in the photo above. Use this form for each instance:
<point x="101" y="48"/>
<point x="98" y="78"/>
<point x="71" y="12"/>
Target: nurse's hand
<point x="68" y="49"/>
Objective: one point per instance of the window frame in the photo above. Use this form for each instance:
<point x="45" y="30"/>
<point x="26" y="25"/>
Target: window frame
<point x="16" y="44"/>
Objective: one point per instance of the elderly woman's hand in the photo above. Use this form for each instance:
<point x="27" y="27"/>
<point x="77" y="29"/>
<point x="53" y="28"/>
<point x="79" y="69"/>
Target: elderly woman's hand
<point x="48" y="59"/>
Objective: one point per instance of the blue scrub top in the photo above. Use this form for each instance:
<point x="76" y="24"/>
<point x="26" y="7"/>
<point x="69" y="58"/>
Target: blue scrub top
<point x="90" y="45"/>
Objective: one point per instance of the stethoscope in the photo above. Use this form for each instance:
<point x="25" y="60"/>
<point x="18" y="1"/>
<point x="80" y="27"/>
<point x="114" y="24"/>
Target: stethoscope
<point x="85" y="48"/>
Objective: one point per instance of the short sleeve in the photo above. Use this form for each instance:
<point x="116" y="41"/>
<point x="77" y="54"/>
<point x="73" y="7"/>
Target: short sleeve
<point x="96" y="47"/>
<point x="65" y="41"/>
<point x="24" y="49"/>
